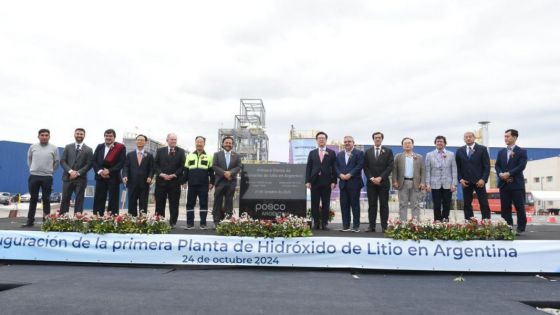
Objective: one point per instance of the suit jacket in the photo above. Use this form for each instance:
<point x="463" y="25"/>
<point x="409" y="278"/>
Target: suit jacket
<point x="99" y="162"/>
<point x="354" y="167"/>
<point x="380" y="167"/>
<point x="321" y="173"/>
<point x="474" y="168"/>
<point x="138" y="174"/>
<point x="169" y="164"/>
<point x="441" y="173"/>
<point x="79" y="161"/>
<point x="220" y="167"/>
<point x="514" y="166"/>
<point x="419" y="173"/>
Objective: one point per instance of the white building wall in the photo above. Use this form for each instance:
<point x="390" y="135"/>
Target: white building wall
<point x="544" y="175"/>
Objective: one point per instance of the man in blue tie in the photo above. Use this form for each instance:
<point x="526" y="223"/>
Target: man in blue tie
<point x="473" y="170"/>
<point x="227" y="165"/>
<point x="510" y="163"/>
<point x="349" y="164"/>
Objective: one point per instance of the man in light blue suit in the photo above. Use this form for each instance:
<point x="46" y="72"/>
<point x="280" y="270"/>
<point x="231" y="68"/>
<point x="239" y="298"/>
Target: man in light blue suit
<point x="349" y="164"/>
<point x="441" y="175"/>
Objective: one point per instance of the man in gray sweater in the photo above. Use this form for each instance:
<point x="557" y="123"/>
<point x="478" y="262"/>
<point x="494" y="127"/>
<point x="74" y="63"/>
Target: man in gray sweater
<point x="43" y="160"/>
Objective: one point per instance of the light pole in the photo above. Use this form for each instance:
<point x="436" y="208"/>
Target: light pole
<point x="485" y="139"/>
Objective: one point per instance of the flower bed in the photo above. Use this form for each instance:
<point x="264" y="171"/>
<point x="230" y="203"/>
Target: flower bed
<point x="290" y="226"/>
<point x="89" y="223"/>
<point x="471" y="230"/>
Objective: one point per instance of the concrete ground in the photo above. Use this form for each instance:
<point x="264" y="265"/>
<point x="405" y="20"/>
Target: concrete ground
<point x="55" y="289"/>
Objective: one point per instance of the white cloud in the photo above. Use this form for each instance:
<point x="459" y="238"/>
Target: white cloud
<point x="408" y="68"/>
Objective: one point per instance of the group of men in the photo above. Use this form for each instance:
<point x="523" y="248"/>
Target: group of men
<point x="171" y="167"/>
<point x="412" y="176"/>
<point x="137" y="170"/>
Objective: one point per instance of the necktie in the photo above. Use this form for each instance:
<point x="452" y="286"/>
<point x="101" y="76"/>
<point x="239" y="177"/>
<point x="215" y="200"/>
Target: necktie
<point x="376" y="152"/>
<point x="78" y="148"/>
<point x="140" y="155"/>
<point x="509" y="152"/>
<point x="321" y="155"/>
<point x="470" y="152"/>
<point x="172" y="152"/>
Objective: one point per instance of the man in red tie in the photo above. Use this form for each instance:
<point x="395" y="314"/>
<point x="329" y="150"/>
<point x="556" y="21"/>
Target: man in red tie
<point x="138" y="171"/>
<point x="320" y="178"/>
<point x="108" y="160"/>
<point x="169" y="168"/>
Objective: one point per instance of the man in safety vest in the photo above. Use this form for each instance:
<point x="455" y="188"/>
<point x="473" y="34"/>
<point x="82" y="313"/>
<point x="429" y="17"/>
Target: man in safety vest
<point x="200" y="177"/>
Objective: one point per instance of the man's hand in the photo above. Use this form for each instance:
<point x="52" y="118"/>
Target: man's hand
<point x="125" y="180"/>
<point x="210" y="186"/>
<point x="428" y="188"/>
<point x="453" y="188"/>
<point x="377" y="180"/>
<point x="308" y="185"/>
<point x="480" y="183"/>
<point x="149" y="180"/>
<point x="464" y="183"/>
<point x="227" y="175"/>
<point x="333" y="185"/>
<point x="74" y="174"/>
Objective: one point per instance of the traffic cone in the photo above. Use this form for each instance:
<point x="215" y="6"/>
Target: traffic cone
<point x="552" y="219"/>
<point x="530" y="219"/>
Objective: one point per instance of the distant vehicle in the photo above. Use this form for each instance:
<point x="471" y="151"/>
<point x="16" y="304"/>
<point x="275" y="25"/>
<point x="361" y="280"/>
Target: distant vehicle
<point x="496" y="206"/>
<point x="5" y="198"/>
<point x="56" y="197"/>
<point x="25" y="197"/>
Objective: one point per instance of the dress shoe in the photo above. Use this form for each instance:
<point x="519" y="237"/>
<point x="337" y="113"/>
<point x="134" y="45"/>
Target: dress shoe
<point x="345" y="229"/>
<point x="325" y="228"/>
<point x="371" y="229"/>
<point x="28" y="224"/>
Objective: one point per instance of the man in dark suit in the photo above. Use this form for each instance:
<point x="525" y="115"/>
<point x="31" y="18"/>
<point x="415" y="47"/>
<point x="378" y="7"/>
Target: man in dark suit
<point x="76" y="161"/>
<point x="509" y="166"/>
<point x="378" y="165"/>
<point x="169" y="168"/>
<point x="473" y="169"/>
<point x="138" y="171"/>
<point x="320" y="178"/>
<point x="108" y="161"/>
<point x="227" y="164"/>
<point x="349" y="164"/>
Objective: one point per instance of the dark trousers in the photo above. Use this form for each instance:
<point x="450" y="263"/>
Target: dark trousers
<point x="223" y="201"/>
<point x="200" y="191"/>
<point x="104" y="187"/>
<point x="441" y="197"/>
<point x="482" y="201"/>
<point x="138" y="196"/>
<point x="517" y="197"/>
<point x="44" y="183"/>
<point x="350" y="198"/>
<point x="320" y="198"/>
<point x="168" y="190"/>
<point x="375" y="193"/>
<point x="77" y="187"/>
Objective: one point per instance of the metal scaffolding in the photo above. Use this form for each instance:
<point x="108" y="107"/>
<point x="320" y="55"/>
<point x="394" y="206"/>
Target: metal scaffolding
<point x="249" y="132"/>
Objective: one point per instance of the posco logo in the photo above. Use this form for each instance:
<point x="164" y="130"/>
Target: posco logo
<point x="270" y="206"/>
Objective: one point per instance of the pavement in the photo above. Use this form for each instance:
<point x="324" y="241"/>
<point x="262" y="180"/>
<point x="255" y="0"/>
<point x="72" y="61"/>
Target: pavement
<point x="52" y="289"/>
